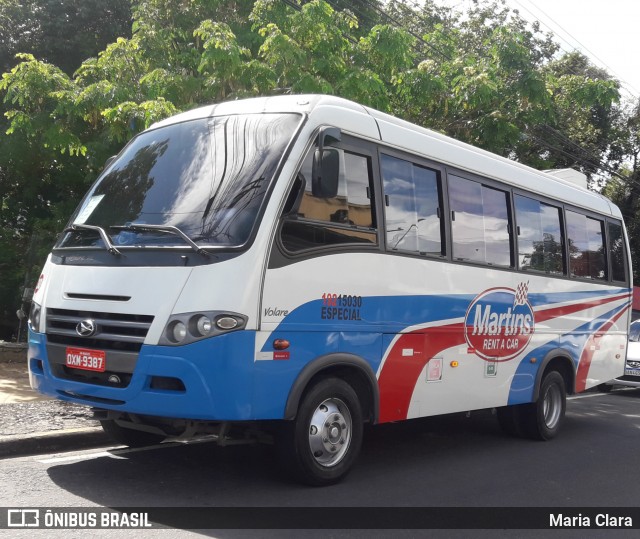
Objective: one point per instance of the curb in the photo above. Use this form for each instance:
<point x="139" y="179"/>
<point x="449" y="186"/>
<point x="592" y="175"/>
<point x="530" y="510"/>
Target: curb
<point x="20" y="445"/>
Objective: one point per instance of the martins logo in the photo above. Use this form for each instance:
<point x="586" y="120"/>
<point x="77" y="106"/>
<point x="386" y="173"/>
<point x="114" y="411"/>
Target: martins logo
<point x="499" y="323"/>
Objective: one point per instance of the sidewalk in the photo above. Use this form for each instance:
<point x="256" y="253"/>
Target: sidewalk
<point x="31" y="423"/>
<point x="14" y="383"/>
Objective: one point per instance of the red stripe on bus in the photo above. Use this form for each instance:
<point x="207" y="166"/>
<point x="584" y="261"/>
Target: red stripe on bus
<point x="556" y="312"/>
<point x="401" y="372"/>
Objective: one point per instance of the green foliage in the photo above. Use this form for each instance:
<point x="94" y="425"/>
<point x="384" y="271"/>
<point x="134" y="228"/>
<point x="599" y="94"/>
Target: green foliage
<point x="586" y="130"/>
<point x="624" y="187"/>
<point x="222" y="60"/>
<point x="128" y="118"/>
<point x="389" y="49"/>
<point x="40" y="93"/>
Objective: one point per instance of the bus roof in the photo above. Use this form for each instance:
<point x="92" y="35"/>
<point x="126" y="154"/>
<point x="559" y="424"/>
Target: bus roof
<point x="415" y="139"/>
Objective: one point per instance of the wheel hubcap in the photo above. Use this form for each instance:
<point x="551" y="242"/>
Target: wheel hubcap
<point x="552" y="406"/>
<point x="330" y="432"/>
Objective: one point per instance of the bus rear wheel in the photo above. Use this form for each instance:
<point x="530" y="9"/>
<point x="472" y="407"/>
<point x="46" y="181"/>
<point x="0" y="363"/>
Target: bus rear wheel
<point x="129" y="437"/>
<point x="541" y="419"/>
<point x="323" y="442"/>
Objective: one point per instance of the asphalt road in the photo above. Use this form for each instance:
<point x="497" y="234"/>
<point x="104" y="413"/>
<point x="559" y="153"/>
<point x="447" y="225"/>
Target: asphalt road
<point x="448" y="461"/>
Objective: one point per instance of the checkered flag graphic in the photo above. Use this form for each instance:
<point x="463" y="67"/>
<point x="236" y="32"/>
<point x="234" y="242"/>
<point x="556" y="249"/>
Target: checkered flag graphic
<point x="521" y="294"/>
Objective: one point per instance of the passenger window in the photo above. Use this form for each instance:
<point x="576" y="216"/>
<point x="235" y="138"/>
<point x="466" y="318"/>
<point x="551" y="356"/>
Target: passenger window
<point x="586" y="247"/>
<point x="539" y="236"/>
<point x="617" y="250"/>
<point x="480" y="222"/>
<point x="412" y="207"/>
<point x="349" y="217"/>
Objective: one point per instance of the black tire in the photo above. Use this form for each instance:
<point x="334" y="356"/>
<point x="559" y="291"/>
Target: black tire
<point x="541" y="420"/>
<point x="129" y="437"/>
<point x="321" y="445"/>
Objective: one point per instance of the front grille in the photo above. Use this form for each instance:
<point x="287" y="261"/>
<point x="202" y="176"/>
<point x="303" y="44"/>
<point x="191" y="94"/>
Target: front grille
<point x="120" y="336"/>
<point x="99" y="344"/>
<point x="114" y="331"/>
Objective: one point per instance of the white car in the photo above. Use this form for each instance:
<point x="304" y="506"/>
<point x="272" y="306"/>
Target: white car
<point x="631" y="377"/>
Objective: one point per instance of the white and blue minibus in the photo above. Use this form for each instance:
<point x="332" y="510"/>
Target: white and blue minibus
<point x="295" y="267"/>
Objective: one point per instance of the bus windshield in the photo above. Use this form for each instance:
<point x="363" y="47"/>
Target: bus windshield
<point x="204" y="179"/>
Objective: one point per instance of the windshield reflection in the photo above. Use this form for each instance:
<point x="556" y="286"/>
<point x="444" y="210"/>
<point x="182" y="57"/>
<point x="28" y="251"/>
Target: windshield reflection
<point x="208" y="178"/>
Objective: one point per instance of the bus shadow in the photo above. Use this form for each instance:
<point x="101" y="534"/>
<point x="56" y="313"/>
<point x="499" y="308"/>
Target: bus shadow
<point x="202" y="474"/>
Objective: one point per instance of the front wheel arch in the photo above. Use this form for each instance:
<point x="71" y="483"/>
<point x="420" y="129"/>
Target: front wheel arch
<point x="348" y="367"/>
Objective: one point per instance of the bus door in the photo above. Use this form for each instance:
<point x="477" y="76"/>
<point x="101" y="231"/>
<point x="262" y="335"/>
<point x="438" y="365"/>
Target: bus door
<point x="321" y="272"/>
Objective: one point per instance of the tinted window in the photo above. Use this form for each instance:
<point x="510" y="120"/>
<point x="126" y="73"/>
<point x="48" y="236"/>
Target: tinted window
<point x="412" y="202"/>
<point x="617" y="252"/>
<point x="480" y="222"/>
<point x="207" y="177"/>
<point x="539" y="236"/>
<point x="346" y="218"/>
<point x="586" y="246"/>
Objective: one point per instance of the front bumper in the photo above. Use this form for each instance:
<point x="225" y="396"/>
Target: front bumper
<point x="216" y="378"/>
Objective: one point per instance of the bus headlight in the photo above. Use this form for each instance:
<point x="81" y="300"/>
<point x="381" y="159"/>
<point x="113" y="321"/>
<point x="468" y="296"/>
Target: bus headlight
<point x="203" y="326"/>
<point x="186" y="328"/>
<point x="176" y="332"/>
<point x="34" y="317"/>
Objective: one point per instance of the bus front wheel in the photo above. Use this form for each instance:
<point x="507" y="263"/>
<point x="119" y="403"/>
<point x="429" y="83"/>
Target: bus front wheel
<point x="323" y="442"/>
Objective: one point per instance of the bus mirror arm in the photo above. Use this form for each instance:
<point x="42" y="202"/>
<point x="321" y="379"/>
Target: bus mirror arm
<point x="326" y="165"/>
<point x="328" y="134"/>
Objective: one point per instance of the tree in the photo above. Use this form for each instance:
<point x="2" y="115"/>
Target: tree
<point x="61" y="32"/>
<point x="39" y="185"/>
<point x="585" y="107"/>
<point x="624" y="187"/>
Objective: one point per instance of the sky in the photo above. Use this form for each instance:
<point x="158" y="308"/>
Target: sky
<point x="607" y="31"/>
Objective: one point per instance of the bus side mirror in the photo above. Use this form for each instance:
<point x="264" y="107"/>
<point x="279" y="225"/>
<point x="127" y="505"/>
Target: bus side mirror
<point x="325" y="171"/>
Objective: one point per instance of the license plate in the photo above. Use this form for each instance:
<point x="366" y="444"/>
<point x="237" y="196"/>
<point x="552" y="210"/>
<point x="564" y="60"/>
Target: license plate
<point x="85" y="359"/>
<point x="632" y="372"/>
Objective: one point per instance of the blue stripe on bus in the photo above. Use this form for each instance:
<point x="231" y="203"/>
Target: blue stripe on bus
<point x="395" y="314"/>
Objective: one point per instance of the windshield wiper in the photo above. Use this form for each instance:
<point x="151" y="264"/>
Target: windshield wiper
<point x="101" y="232"/>
<point x="165" y="228"/>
